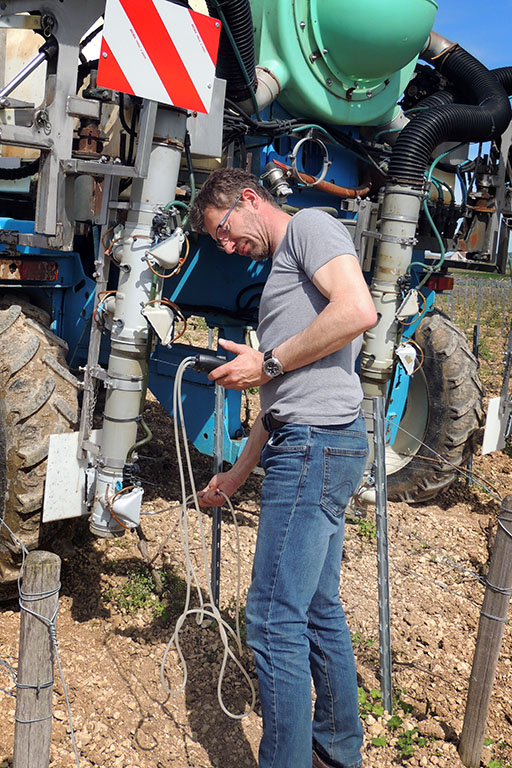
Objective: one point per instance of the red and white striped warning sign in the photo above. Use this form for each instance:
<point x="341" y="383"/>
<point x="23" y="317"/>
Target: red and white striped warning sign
<point x="160" y="51"/>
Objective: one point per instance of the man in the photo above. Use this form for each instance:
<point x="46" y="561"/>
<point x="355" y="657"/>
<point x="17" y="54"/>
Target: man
<point x="312" y="439"/>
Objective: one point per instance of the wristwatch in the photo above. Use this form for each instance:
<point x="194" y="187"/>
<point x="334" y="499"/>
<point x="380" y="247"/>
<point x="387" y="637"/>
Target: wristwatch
<point x="271" y="365"/>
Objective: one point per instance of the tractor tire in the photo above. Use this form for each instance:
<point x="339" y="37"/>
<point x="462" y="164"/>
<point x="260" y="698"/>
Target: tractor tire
<point x="443" y="414"/>
<point x="38" y="397"/>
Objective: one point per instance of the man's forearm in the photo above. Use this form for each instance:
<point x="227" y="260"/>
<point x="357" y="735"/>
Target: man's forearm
<point x="250" y="455"/>
<point x="334" y="328"/>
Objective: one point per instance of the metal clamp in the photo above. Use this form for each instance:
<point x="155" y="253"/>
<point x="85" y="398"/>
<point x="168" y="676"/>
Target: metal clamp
<point x="110" y="463"/>
<point x="128" y="420"/>
<point x="326" y="163"/>
<point x="113" y="382"/>
<point x="406" y="241"/>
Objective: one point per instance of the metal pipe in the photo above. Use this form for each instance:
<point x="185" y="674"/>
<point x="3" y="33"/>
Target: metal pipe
<point x="400" y="212"/>
<point x="436" y="45"/>
<point x="379" y="417"/>
<point x="129" y="338"/>
<point x="46" y="52"/>
<point x="218" y="453"/>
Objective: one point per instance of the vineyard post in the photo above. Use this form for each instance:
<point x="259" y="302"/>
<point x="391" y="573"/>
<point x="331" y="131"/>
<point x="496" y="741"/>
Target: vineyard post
<point x="493" y="617"/>
<point x="39" y="600"/>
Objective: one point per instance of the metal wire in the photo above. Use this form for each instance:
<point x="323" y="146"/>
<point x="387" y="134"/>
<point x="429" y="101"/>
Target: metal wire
<point x="25" y="597"/>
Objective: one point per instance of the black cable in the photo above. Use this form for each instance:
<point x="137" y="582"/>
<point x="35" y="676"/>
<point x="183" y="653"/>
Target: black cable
<point x="90" y="36"/>
<point x="122" y="118"/>
<point x="133" y="134"/>
<point x="246" y="289"/>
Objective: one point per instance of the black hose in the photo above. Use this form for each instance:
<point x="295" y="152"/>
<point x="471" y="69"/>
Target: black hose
<point x="452" y="122"/>
<point x="437" y="99"/>
<point x="238" y="17"/>
<point x="28" y="169"/>
<point x="504" y="75"/>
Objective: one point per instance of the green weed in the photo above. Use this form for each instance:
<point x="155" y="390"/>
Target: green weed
<point x="358" y="640"/>
<point x="409" y="740"/>
<point x="370" y="703"/>
<point x="137" y="593"/>
<point x="502" y="757"/>
<point x="367" y="529"/>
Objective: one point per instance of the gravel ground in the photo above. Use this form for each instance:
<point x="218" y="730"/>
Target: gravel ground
<point x="113" y="629"/>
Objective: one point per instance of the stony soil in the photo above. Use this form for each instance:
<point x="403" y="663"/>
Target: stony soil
<point x="113" y="629"/>
<point x="111" y="650"/>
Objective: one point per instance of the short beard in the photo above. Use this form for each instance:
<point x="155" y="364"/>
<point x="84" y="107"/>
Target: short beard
<point x="261" y="253"/>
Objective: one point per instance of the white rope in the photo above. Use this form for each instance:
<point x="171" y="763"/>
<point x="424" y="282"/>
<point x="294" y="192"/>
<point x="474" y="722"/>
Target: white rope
<point x="208" y="608"/>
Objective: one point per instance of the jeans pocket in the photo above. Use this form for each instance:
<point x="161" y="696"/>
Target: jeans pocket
<point x="288" y="439"/>
<point x="342" y="475"/>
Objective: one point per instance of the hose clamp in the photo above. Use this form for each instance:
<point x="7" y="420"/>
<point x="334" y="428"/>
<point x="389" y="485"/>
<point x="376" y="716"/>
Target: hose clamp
<point x="405" y="241"/>
<point x="326" y="162"/>
<point x="124" y="383"/>
<point x="129" y="420"/>
<point x="398" y="218"/>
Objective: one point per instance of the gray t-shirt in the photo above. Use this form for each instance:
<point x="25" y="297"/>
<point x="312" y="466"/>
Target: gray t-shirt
<point x="328" y="391"/>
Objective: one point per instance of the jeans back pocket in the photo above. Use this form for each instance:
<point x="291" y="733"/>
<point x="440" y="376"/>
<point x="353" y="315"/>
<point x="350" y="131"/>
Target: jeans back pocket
<point x="342" y="474"/>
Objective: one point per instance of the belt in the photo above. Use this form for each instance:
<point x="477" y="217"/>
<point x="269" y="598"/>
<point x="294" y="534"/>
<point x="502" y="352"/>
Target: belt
<point x="270" y="422"/>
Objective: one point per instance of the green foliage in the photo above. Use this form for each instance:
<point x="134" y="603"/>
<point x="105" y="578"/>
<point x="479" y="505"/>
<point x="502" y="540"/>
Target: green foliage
<point x="360" y="641"/>
<point x="370" y="703"/>
<point x="199" y="323"/>
<point x="409" y="740"/>
<point x="137" y="593"/>
<point x="134" y="593"/>
<point x="379" y="741"/>
<point x="399" y="703"/>
<point x="502" y="757"/>
<point x="394" y="722"/>
<point x="484" y="349"/>
<point x="367" y="529"/>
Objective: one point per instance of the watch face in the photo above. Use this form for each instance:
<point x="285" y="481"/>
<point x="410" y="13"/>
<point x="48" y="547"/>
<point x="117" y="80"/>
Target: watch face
<point x="272" y="368"/>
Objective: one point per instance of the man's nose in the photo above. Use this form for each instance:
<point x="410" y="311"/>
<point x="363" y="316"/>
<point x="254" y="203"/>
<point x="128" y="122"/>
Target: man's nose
<point x="229" y="246"/>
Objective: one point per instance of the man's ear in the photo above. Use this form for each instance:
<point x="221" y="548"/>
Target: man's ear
<point x="251" y="197"/>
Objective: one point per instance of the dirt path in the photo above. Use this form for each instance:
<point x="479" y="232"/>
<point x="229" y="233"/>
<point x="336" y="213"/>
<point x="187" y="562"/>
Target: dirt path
<point x="113" y="629"/>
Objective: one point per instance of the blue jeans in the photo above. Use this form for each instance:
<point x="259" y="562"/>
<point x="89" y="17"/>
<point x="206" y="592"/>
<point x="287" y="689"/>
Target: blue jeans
<point x="296" y="626"/>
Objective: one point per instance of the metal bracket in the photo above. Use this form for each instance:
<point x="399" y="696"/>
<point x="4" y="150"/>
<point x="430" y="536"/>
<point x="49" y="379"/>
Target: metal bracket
<point x="97" y="372"/>
<point x="91" y="448"/>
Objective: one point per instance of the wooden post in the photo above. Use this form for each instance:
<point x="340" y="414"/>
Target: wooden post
<point x="490" y="632"/>
<point x="33" y="720"/>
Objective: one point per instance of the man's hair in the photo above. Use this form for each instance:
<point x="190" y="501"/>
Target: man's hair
<point x="220" y="190"/>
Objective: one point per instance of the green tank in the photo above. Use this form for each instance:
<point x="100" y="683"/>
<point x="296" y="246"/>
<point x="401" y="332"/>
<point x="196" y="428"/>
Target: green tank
<point x="342" y="61"/>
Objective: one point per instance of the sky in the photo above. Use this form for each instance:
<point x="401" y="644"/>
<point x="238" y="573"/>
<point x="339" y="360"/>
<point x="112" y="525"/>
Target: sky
<point x="482" y="28"/>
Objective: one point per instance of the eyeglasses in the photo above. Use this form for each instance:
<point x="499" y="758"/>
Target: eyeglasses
<point x="222" y="232"/>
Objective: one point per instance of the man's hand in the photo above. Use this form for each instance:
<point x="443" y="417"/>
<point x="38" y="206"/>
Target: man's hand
<point x="226" y="482"/>
<point x="244" y="371"/>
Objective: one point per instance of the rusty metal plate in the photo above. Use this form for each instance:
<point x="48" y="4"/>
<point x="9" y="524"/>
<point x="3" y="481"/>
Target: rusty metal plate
<point x="28" y="270"/>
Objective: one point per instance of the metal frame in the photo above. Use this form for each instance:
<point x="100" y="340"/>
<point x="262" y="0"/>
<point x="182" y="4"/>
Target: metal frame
<point x="53" y="135"/>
